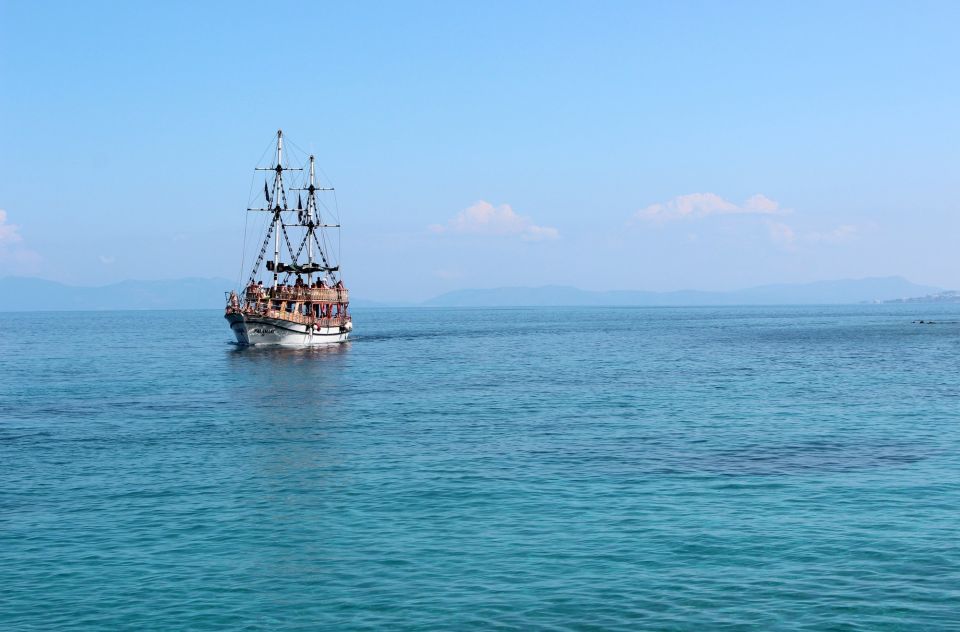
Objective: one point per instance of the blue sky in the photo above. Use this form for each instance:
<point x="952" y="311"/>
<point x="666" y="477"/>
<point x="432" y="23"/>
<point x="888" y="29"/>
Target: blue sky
<point x="707" y="145"/>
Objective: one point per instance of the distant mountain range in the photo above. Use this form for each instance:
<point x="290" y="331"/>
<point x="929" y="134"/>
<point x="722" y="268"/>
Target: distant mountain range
<point x="23" y="294"/>
<point x="29" y="294"/>
<point x="876" y="289"/>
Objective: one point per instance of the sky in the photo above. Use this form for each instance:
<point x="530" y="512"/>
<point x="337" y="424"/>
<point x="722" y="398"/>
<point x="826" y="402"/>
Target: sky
<point x="607" y="145"/>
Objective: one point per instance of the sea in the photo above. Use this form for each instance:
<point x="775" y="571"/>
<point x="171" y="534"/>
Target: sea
<point x="734" y="468"/>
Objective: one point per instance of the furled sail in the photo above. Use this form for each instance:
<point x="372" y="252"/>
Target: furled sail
<point x="300" y="268"/>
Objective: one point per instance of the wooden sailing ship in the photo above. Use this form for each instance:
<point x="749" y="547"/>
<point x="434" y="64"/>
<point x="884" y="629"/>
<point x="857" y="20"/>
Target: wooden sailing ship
<point x="304" y="301"/>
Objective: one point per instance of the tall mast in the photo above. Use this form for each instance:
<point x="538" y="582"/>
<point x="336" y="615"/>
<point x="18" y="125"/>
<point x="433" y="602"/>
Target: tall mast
<point x="275" y="208"/>
<point x="313" y="222"/>
<point x="310" y="226"/>
<point x="276" y="213"/>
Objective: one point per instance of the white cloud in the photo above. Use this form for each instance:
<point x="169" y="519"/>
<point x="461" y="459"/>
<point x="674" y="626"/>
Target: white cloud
<point x="483" y="218"/>
<point x="9" y="233"/>
<point x="782" y="234"/>
<point x="760" y="203"/>
<point x="106" y="259"/>
<point x="700" y="205"/>
<point x="13" y="256"/>
<point x="696" y="205"/>
<point x="536" y="233"/>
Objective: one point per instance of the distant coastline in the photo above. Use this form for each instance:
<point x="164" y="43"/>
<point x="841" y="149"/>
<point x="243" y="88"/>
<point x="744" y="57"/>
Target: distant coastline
<point x="951" y="296"/>
<point x="208" y="293"/>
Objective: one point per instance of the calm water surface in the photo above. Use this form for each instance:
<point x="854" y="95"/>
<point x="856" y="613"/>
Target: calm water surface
<point x="583" y="469"/>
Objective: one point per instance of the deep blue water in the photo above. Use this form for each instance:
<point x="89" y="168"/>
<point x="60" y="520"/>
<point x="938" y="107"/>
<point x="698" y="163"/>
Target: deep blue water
<point x="583" y="469"/>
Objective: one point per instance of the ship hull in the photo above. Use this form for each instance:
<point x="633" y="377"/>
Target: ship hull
<point x="259" y="330"/>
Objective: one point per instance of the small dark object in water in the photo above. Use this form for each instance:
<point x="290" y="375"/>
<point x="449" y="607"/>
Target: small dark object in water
<point x="924" y="322"/>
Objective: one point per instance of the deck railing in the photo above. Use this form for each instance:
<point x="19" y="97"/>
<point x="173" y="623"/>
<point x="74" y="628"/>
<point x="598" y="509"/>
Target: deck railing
<point x="301" y="294"/>
<point x="304" y="320"/>
<point x="295" y="317"/>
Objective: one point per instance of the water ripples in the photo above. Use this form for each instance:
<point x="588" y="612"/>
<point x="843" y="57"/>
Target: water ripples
<point x="688" y="469"/>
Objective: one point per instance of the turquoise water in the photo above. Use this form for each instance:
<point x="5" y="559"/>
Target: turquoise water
<point x="583" y="469"/>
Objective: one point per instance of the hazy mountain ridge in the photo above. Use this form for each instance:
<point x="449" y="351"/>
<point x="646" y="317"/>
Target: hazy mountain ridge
<point x="26" y="294"/>
<point x="843" y="291"/>
<point x="30" y="294"/>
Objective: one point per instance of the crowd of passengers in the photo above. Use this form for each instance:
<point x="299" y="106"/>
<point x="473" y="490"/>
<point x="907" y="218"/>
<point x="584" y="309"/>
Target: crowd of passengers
<point x="258" y="290"/>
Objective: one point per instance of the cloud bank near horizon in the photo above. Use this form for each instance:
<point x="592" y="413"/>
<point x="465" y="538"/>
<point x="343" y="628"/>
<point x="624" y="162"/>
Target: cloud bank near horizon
<point x="769" y="212"/>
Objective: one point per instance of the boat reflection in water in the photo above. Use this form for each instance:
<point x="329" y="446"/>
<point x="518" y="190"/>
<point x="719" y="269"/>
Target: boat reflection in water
<point x="275" y="352"/>
<point x="314" y="378"/>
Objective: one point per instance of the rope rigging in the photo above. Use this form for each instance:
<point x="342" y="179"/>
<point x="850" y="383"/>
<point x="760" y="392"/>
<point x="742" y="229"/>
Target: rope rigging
<point x="286" y="238"/>
<point x="263" y="252"/>
<point x="326" y="264"/>
<point x="296" y="257"/>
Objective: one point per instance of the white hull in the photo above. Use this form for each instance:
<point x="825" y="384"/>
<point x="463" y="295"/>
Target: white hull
<point x="258" y="330"/>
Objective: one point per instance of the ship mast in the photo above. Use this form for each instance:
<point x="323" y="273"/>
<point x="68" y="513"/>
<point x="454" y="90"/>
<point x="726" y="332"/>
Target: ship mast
<point x="313" y="222"/>
<point x="308" y="218"/>
<point x="314" y="217"/>
<point x="277" y="183"/>
<point x="276" y="204"/>
<point x="310" y="227"/>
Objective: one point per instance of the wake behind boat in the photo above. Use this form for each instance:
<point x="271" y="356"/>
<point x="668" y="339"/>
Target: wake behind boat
<point x="310" y="304"/>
